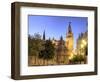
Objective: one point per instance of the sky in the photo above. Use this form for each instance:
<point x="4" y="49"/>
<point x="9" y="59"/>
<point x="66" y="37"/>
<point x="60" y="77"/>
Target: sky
<point x="56" y="26"/>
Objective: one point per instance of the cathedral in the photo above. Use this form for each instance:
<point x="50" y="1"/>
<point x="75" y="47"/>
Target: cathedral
<point x="69" y="41"/>
<point x="64" y="48"/>
<point x="64" y="51"/>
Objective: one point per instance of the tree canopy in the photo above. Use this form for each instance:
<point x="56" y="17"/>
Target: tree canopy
<point x="41" y="48"/>
<point x="35" y="44"/>
<point x="48" y="52"/>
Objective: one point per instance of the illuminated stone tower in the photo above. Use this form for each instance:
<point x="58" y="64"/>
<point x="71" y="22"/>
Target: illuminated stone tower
<point x="69" y="41"/>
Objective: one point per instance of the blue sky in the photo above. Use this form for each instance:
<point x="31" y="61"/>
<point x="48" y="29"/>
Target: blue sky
<point x="56" y="26"/>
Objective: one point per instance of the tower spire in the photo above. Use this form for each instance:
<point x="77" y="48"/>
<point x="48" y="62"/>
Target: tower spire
<point x="44" y="35"/>
<point x="69" y="28"/>
<point x="61" y="38"/>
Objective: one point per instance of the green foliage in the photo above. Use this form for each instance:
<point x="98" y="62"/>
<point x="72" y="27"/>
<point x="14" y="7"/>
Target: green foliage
<point x="77" y="58"/>
<point x="40" y="48"/>
<point x="35" y="44"/>
<point x="48" y="52"/>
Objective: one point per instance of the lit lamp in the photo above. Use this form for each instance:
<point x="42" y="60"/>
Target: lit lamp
<point x="82" y="45"/>
<point x="84" y="42"/>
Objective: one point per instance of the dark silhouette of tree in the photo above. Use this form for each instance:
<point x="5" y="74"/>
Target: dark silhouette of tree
<point x="86" y="50"/>
<point x="48" y="52"/>
<point x="44" y="35"/>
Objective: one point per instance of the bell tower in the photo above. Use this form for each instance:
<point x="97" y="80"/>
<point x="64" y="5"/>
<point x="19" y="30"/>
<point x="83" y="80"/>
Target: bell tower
<point x="69" y="40"/>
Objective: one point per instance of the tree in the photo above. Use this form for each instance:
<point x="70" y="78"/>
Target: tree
<point x="48" y="52"/>
<point x="81" y="58"/>
<point x="77" y="58"/>
<point x="35" y="44"/>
